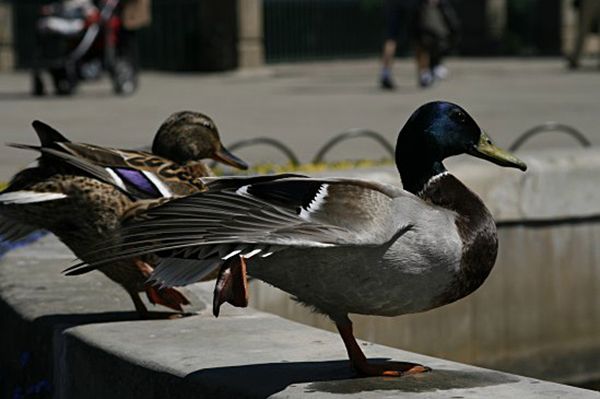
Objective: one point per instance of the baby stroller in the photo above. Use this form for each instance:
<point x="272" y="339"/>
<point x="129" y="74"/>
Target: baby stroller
<point x="77" y="41"/>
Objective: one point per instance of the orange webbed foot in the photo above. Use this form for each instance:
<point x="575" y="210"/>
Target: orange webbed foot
<point x="363" y="367"/>
<point x="389" y="369"/>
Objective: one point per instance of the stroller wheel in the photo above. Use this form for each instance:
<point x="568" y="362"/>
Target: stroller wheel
<point x="124" y="77"/>
<point x="63" y="86"/>
<point x="37" y="85"/>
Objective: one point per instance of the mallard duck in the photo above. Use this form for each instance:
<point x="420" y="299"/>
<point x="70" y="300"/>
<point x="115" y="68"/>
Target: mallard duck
<point x="80" y="192"/>
<point x="338" y="245"/>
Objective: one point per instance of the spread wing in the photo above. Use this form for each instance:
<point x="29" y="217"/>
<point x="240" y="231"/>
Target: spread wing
<point x="256" y="217"/>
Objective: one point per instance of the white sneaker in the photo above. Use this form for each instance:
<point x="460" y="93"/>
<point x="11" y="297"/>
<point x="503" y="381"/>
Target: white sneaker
<point x="425" y="79"/>
<point x="440" y="72"/>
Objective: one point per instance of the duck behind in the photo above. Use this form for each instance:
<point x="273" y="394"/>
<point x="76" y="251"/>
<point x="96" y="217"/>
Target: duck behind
<point x="80" y="192"/>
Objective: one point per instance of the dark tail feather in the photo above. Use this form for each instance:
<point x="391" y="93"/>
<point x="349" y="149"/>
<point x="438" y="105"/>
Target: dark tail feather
<point x="47" y="134"/>
<point x="169" y="297"/>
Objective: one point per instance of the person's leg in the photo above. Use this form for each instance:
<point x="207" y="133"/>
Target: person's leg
<point x="37" y="84"/>
<point x="127" y="46"/>
<point x="389" y="51"/>
<point x="438" y="70"/>
<point x="585" y="19"/>
<point x="423" y="59"/>
<point x="393" y="14"/>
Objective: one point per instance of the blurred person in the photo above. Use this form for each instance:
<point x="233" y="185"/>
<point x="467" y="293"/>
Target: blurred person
<point x="588" y="16"/>
<point x="436" y="32"/>
<point x="397" y="13"/>
<point x="135" y="14"/>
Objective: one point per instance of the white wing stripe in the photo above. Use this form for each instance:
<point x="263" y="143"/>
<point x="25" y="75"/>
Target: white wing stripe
<point x="116" y="178"/>
<point x="316" y="203"/>
<point x="243" y="191"/>
<point x="162" y="188"/>
<point x="251" y="253"/>
<point x="232" y="253"/>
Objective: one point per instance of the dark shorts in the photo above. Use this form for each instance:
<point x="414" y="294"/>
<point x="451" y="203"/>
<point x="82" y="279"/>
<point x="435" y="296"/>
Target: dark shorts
<point x="398" y="17"/>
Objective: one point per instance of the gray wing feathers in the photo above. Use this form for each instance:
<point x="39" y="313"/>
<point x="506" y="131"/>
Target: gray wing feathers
<point x="218" y="219"/>
<point x="366" y="212"/>
<point x="175" y="272"/>
<point x="346" y="213"/>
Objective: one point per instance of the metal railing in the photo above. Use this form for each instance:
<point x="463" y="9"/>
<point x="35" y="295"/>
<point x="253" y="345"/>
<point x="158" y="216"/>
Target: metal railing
<point x="550" y="127"/>
<point x="349" y="134"/>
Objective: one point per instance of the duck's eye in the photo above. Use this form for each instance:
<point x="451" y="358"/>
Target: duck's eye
<point x="459" y="116"/>
<point x="206" y="124"/>
<point x="489" y="141"/>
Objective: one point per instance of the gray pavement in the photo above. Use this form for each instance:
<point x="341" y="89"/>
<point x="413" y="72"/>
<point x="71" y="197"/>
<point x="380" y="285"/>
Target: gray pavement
<point x="304" y="104"/>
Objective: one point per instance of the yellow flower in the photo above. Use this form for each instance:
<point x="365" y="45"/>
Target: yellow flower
<point x="308" y="168"/>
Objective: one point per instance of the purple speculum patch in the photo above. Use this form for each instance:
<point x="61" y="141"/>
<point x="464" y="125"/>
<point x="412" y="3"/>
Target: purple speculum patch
<point x="138" y="180"/>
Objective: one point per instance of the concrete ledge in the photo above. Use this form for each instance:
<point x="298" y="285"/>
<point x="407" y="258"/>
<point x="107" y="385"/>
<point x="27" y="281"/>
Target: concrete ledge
<point x="76" y="337"/>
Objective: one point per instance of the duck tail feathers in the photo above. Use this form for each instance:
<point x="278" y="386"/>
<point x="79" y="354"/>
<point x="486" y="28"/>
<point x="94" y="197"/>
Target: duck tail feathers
<point x="24" y="146"/>
<point x="47" y="134"/>
<point x="28" y="197"/>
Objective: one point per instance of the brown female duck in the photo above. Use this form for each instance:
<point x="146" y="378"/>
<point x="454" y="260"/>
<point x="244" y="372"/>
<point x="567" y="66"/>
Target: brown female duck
<point x="80" y="192"/>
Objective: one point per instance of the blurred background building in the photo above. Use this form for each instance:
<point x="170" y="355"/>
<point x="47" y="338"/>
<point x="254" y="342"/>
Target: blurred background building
<point x="215" y="35"/>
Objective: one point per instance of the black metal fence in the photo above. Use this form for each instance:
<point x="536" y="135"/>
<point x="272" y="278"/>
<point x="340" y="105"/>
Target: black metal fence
<point x="313" y="29"/>
<point x="188" y="35"/>
<point x="533" y="27"/>
<point x="309" y="29"/>
<point x="24" y="16"/>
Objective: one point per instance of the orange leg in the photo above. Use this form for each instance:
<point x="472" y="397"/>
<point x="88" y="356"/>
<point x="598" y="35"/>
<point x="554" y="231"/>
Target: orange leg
<point x="232" y="285"/>
<point x="169" y="297"/>
<point x="362" y="366"/>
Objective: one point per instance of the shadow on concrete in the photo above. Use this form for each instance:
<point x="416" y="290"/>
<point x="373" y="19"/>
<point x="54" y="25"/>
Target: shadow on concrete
<point x="72" y="320"/>
<point x="28" y="350"/>
<point x="264" y="380"/>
